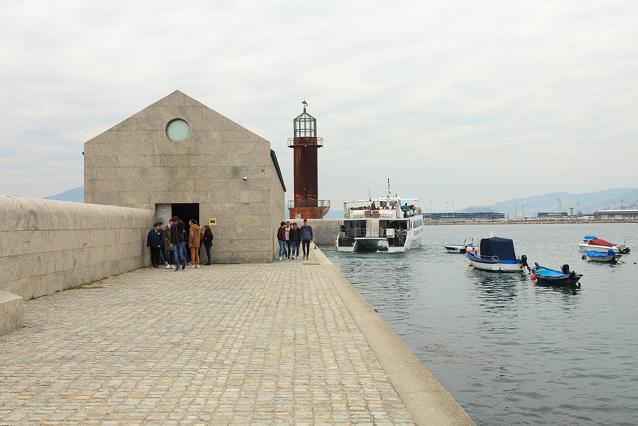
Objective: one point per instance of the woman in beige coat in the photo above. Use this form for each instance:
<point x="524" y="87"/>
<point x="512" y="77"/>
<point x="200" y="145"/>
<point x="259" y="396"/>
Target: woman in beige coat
<point x="194" y="239"/>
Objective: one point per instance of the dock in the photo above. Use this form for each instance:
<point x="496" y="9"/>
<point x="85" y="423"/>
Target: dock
<point x="287" y="342"/>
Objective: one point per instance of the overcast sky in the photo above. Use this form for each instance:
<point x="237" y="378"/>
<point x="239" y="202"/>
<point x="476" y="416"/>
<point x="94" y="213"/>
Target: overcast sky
<point x="460" y="101"/>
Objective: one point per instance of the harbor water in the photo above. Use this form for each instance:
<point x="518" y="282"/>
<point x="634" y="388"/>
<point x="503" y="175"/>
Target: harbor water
<point x="511" y="352"/>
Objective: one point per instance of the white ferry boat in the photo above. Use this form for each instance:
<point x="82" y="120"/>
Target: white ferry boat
<point x="386" y="224"/>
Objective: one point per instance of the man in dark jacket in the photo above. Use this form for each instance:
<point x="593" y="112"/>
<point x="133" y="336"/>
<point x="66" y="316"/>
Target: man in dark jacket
<point x="295" y="240"/>
<point x="178" y="239"/>
<point x="154" y="241"/>
<point x="305" y="232"/>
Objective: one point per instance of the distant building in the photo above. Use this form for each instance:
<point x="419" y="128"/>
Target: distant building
<point x="552" y="215"/>
<point x="616" y="214"/>
<point x="487" y="216"/>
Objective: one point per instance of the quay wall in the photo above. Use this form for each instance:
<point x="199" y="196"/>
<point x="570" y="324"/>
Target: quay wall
<point x="323" y="230"/>
<point x="48" y="246"/>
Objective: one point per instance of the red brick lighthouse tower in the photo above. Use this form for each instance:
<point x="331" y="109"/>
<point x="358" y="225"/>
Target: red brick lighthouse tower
<point x="305" y="143"/>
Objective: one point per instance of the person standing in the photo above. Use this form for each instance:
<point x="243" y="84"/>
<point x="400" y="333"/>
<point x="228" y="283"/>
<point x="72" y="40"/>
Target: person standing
<point x="281" y="237"/>
<point x="208" y="243"/>
<point x="194" y="242"/>
<point x="295" y="240"/>
<point x="287" y="240"/>
<point x="168" y="246"/>
<point x="154" y="242"/>
<point x="179" y="243"/>
<point x="305" y="232"/>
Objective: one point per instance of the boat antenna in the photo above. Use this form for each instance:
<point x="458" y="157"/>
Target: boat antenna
<point x="389" y="192"/>
<point x="369" y="195"/>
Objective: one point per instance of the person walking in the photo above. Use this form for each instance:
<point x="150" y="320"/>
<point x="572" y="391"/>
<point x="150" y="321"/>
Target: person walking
<point x="305" y="232"/>
<point x="281" y="237"/>
<point x="179" y="243"/>
<point x="208" y="243"/>
<point x="154" y="242"/>
<point x="295" y="240"/>
<point x="194" y="240"/>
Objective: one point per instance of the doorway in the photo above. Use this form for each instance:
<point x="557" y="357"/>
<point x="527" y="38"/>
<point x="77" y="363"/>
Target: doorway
<point x="185" y="211"/>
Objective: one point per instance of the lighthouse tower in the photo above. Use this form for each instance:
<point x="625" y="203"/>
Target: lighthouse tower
<point x="305" y="143"/>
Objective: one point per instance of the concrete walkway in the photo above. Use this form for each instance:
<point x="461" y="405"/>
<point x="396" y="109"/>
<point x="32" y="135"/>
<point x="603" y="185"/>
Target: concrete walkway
<point x="220" y="344"/>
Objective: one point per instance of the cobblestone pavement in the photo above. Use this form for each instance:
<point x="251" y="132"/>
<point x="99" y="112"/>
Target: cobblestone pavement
<point x="220" y="344"/>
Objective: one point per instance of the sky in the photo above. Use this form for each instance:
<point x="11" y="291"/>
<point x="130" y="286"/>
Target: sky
<point x="457" y="102"/>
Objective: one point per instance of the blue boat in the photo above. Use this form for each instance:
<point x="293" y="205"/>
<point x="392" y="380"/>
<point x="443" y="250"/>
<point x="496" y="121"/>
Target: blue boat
<point x="595" y="256"/>
<point x="547" y="276"/>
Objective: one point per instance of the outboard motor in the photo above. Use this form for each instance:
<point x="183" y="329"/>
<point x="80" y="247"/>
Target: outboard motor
<point x="524" y="262"/>
<point x="565" y="269"/>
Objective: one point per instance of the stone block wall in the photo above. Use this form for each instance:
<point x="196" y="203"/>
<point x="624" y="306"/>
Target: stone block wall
<point x="48" y="246"/>
<point x="324" y="230"/>
<point x="223" y="167"/>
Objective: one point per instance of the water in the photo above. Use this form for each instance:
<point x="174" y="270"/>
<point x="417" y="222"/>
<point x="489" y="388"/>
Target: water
<point x="508" y="351"/>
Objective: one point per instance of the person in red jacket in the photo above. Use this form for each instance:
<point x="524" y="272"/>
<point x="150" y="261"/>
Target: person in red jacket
<point x="281" y="237"/>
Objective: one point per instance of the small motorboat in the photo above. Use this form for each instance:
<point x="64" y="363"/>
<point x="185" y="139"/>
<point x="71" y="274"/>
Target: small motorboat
<point x="497" y="255"/>
<point x="458" y="248"/>
<point x="547" y="276"/>
<point x="592" y="243"/>
<point x="595" y="256"/>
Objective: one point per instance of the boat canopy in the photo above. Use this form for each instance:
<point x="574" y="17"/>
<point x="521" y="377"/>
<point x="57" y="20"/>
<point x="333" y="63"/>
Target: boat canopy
<point x="503" y="248"/>
<point x="600" y="242"/>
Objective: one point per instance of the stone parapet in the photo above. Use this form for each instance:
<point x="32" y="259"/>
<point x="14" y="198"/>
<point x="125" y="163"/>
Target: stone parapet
<point x="48" y="246"/>
<point x="11" y="312"/>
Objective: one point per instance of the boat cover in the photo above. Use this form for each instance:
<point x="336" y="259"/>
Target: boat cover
<point x="495" y="246"/>
<point x="589" y="237"/>
<point x="599" y="242"/>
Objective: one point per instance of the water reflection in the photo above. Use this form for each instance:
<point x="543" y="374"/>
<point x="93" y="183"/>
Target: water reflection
<point x="496" y="291"/>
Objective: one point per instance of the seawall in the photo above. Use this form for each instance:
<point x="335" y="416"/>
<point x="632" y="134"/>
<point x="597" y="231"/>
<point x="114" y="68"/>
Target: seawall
<point x="427" y="400"/>
<point x="48" y="246"/>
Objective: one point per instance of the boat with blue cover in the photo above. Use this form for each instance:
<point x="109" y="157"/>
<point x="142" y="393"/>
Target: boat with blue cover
<point x="547" y="276"/>
<point x="595" y="256"/>
<point x="496" y="254"/>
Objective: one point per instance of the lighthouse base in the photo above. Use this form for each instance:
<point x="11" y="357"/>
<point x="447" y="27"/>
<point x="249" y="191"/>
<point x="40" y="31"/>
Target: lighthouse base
<point x="308" y="209"/>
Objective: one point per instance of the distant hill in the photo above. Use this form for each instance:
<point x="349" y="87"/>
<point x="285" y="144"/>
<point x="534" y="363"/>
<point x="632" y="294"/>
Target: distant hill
<point x="588" y="202"/>
<point x="75" y="194"/>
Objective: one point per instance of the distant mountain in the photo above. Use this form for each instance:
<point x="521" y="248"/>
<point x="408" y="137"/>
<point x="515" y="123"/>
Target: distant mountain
<point x="585" y="202"/>
<point x="75" y="194"/>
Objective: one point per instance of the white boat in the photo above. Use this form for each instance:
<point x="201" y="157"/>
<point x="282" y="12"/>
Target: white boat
<point x="458" y="248"/>
<point x="592" y="243"/>
<point x="390" y="224"/>
<point x="497" y="255"/>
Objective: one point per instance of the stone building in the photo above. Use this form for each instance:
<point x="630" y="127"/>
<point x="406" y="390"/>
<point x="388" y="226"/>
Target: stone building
<point x="179" y="157"/>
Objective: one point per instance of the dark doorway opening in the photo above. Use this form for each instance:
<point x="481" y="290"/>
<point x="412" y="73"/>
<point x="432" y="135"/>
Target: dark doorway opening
<point x="185" y="211"/>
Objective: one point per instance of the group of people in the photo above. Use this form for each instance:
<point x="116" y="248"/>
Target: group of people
<point x="168" y="244"/>
<point x="291" y="236"/>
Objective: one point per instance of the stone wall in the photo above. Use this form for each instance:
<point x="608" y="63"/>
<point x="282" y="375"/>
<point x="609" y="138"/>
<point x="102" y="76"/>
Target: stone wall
<point x="48" y="246"/>
<point x="324" y="230"/>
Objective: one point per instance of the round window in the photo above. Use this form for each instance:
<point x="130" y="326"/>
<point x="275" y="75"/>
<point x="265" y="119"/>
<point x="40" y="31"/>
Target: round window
<point x="177" y="130"/>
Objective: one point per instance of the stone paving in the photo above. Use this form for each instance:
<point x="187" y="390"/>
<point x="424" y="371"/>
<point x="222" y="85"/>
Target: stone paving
<point x="221" y="344"/>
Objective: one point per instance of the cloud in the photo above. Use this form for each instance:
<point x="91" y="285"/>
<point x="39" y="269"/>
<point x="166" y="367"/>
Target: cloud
<point x="470" y="102"/>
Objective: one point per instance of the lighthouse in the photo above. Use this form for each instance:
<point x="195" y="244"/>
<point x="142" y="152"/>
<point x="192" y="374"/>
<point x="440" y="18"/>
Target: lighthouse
<point x="306" y="144"/>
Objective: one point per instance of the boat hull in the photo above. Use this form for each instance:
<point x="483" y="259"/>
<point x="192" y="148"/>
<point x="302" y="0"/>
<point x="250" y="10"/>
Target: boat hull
<point x="566" y="280"/>
<point x="603" y="259"/>
<point x="599" y="249"/>
<point x="494" y="265"/>
<point x="457" y="249"/>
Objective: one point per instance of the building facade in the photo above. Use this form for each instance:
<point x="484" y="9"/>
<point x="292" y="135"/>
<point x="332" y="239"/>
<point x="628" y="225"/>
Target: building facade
<point x="177" y="157"/>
